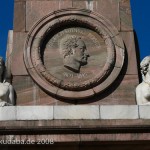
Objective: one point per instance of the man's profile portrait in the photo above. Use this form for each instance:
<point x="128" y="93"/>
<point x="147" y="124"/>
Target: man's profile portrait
<point x="74" y="52"/>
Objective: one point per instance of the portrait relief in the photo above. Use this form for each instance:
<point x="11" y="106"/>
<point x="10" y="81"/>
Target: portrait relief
<point x="74" y="52"/>
<point x="58" y="52"/>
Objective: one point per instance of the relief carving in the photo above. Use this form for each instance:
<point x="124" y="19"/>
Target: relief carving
<point x="61" y="58"/>
<point x="74" y="52"/>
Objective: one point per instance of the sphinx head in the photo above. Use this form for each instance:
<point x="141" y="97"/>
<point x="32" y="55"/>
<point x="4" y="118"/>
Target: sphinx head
<point x="145" y="66"/>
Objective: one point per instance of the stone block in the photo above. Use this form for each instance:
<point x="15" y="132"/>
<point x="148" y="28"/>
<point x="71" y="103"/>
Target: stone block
<point x="65" y="4"/>
<point x="109" y="9"/>
<point x="9" y="43"/>
<point x="119" y="112"/>
<point x="27" y="92"/>
<point x="65" y="138"/>
<point x="125" y="15"/>
<point x="80" y="4"/>
<point x="128" y="38"/>
<point x="76" y="112"/>
<point x="19" y="16"/>
<point x="17" y="54"/>
<point x="34" y="112"/>
<point x="7" y="113"/>
<point x="144" y="111"/>
<point x="97" y="137"/>
<point x="35" y="10"/>
<point x="45" y="99"/>
<point x="8" y="55"/>
<point x="120" y="92"/>
<point x="125" y="92"/>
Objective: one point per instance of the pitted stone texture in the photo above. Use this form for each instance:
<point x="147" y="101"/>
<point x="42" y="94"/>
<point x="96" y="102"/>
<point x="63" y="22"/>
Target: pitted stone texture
<point x="35" y="10"/>
<point x="109" y="9"/>
<point x="27" y="91"/>
<point x="83" y="4"/>
<point x="128" y="38"/>
<point x="33" y="58"/>
<point x="125" y="15"/>
<point x="9" y="43"/>
<point x="8" y="55"/>
<point x="34" y="112"/>
<point x="17" y="65"/>
<point x="119" y="112"/>
<point x="19" y="15"/>
<point x="105" y="112"/>
<point x="76" y="112"/>
<point x="144" y="111"/>
<point x="7" y="113"/>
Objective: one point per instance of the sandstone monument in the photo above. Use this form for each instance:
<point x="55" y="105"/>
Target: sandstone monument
<point x="73" y="65"/>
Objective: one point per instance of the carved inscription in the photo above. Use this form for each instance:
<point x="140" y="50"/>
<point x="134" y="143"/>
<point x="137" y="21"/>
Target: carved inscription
<point x="70" y="75"/>
<point x="72" y="31"/>
<point x="76" y="56"/>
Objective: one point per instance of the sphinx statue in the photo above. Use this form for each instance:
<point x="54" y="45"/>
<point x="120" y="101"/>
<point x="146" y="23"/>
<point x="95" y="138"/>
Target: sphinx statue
<point x="6" y="89"/>
<point x="143" y="89"/>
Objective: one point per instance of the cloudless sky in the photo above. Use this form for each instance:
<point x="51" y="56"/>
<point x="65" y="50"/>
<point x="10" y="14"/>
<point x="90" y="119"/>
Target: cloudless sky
<point x="140" y="16"/>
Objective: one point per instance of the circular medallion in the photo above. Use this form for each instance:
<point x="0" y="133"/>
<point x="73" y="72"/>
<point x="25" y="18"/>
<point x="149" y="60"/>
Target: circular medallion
<point x="73" y="53"/>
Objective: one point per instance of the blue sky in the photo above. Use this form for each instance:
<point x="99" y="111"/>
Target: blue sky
<point x="140" y="16"/>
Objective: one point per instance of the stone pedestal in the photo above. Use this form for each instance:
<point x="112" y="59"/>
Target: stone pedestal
<point x="27" y="13"/>
<point x="92" y="108"/>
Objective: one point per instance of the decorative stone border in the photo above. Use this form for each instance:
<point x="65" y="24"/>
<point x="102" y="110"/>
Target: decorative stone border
<point x="93" y="112"/>
<point x="86" y="18"/>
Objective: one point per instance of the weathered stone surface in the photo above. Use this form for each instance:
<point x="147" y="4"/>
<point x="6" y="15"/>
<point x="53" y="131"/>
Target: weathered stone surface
<point x="73" y="112"/>
<point x="8" y="55"/>
<point x="9" y="43"/>
<point x="34" y="112"/>
<point x="17" y="54"/>
<point x="19" y="15"/>
<point x="80" y="4"/>
<point x="35" y="10"/>
<point x="115" y="137"/>
<point x="76" y="112"/>
<point x="45" y="99"/>
<point x="29" y="94"/>
<point x="52" y="69"/>
<point x="119" y="112"/>
<point x="125" y="15"/>
<point x="128" y="38"/>
<point x="121" y="92"/>
<point x="65" y="138"/>
<point x="8" y="113"/>
<point x="144" y="112"/>
<point x="77" y="123"/>
<point x="125" y="93"/>
<point x="109" y="9"/>
<point x="25" y="89"/>
<point x="65" y="4"/>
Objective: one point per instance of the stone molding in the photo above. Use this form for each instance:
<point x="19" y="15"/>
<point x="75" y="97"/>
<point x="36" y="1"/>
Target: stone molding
<point x="86" y="112"/>
<point x="87" y="19"/>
